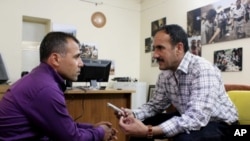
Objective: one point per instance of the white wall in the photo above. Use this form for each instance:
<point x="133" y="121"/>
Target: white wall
<point x="176" y="13"/>
<point x="121" y="39"/>
<point x="117" y="40"/>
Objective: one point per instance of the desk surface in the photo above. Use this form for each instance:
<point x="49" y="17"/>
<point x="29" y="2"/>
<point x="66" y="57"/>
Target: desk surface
<point x="106" y="91"/>
<point x="3" y="88"/>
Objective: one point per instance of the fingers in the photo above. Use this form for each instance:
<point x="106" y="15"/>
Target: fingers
<point x="112" y="135"/>
<point x="112" y="138"/>
<point x="121" y="121"/>
<point x="114" y="131"/>
<point x="118" y="114"/>
<point x="126" y="111"/>
<point x="104" y="123"/>
<point x="125" y="120"/>
<point x="110" y="132"/>
<point x="108" y="124"/>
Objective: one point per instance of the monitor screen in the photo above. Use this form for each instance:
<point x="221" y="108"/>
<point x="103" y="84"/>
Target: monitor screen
<point x="94" y="71"/>
<point x="3" y="74"/>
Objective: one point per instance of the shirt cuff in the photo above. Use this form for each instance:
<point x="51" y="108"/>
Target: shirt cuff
<point x="100" y="131"/>
<point x="84" y="125"/>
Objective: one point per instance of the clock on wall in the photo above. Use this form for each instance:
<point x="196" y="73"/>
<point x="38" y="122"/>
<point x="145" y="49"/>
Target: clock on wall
<point x="98" y="19"/>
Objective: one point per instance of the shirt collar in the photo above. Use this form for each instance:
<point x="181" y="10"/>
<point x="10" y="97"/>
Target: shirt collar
<point x="60" y="81"/>
<point x="186" y="60"/>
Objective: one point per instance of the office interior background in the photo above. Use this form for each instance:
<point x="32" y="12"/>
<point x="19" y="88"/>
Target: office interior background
<point x="121" y="39"/>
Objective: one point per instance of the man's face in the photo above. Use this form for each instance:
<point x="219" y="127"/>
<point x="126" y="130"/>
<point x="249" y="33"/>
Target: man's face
<point x="164" y="52"/>
<point x="238" y="2"/>
<point x="70" y="64"/>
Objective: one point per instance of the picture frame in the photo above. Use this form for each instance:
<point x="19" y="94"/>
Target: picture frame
<point x="233" y="22"/>
<point x="151" y="89"/>
<point x="155" y="25"/>
<point x="148" y="45"/>
<point x="229" y="60"/>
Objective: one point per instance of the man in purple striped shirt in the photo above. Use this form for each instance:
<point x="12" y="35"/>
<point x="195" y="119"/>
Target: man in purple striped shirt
<point x="34" y="107"/>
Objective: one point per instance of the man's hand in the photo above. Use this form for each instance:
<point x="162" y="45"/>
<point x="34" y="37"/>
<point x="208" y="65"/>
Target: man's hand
<point x="126" y="113"/>
<point x="133" y="127"/>
<point x="110" y="133"/>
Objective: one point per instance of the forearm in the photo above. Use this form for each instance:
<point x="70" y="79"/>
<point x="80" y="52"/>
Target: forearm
<point x="57" y="123"/>
<point x="150" y="131"/>
<point x="157" y="131"/>
<point x="214" y="35"/>
<point x="152" y="107"/>
<point x="84" y="125"/>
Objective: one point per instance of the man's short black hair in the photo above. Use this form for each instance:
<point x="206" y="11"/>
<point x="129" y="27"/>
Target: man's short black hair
<point x="55" y="42"/>
<point x="177" y="34"/>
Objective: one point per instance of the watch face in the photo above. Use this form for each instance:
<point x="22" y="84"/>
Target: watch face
<point x="98" y="19"/>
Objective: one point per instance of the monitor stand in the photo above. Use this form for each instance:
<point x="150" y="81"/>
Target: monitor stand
<point x="94" y="85"/>
<point x="69" y="84"/>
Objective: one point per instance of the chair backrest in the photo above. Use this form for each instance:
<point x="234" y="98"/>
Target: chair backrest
<point x="241" y="99"/>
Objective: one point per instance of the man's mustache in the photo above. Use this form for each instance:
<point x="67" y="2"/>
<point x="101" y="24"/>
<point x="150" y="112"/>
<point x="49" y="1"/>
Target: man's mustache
<point x="159" y="60"/>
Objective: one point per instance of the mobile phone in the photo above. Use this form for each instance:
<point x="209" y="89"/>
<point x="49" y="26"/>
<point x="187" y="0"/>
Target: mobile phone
<point x="115" y="108"/>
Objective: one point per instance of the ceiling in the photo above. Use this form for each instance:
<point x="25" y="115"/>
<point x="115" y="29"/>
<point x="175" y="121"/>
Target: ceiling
<point x="138" y="1"/>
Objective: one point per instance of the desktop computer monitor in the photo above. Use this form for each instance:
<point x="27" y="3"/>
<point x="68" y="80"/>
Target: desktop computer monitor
<point x="95" y="71"/>
<point x="3" y="74"/>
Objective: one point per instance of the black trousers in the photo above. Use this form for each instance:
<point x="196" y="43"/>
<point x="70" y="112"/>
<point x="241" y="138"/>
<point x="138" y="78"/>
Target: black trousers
<point x="214" y="131"/>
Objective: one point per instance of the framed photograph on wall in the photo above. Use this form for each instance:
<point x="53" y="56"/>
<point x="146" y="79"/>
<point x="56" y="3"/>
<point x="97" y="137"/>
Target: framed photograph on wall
<point x="148" y="44"/>
<point x="153" y="60"/>
<point x="228" y="60"/>
<point x="151" y="89"/>
<point x="224" y="20"/>
<point x="89" y="50"/>
<point x="155" y="25"/>
<point x="194" y="31"/>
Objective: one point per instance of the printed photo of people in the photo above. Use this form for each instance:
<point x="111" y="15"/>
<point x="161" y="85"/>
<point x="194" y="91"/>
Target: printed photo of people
<point x="89" y="51"/>
<point x="195" y="45"/>
<point x="112" y="68"/>
<point x="194" y="30"/>
<point x="153" y="61"/>
<point x="224" y="20"/>
<point x="148" y="45"/>
<point x="155" y="25"/>
<point x="228" y="60"/>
